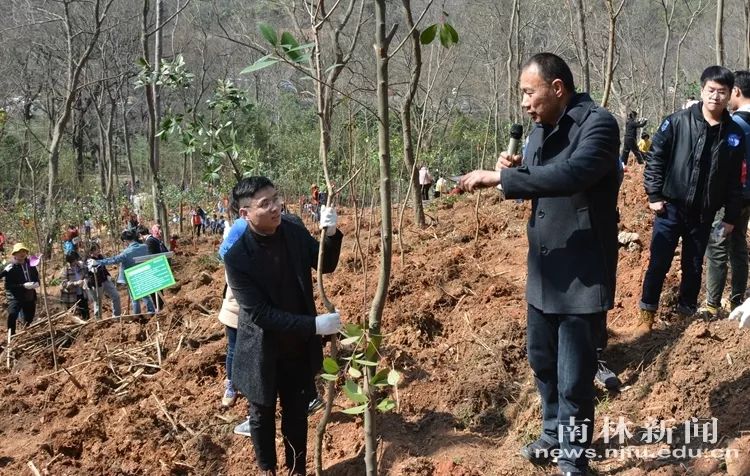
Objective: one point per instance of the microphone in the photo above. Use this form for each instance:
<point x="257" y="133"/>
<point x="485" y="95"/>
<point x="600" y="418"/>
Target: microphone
<point x="514" y="145"/>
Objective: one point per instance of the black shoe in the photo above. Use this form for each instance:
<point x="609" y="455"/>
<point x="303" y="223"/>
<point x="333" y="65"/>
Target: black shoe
<point x="539" y="451"/>
<point x="607" y="378"/>
<point x="315" y="405"/>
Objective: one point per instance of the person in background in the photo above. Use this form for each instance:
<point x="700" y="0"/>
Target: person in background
<point x="100" y="280"/>
<point x="229" y="312"/>
<point x="278" y="349"/>
<point x="731" y="250"/>
<point x="628" y="143"/>
<point x="74" y="285"/>
<point x="441" y="187"/>
<point x="425" y="182"/>
<point x="87" y="225"/>
<point x="694" y="168"/>
<point x="21" y="283"/>
<point x="133" y="249"/>
<point x="645" y="143"/>
<point x="173" y="243"/>
<point x="155" y="245"/>
<point x="196" y="221"/>
<point x="2" y="243"/>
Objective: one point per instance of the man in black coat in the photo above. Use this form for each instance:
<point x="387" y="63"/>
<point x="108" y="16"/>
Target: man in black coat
<point x="278" y="349"/>
<point x="571" y="174"/>
<point x="694" y="168"/>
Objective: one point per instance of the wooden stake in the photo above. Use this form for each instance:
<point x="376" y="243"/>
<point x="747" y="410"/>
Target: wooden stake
<point x="7" y="352"/>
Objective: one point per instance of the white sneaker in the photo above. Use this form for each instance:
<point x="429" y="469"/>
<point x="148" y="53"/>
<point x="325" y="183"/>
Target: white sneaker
<point x="230" y="394"/>
<point x="243" y="428"/>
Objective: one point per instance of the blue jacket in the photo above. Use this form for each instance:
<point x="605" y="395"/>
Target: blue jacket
<point x="571" y="175"/>
<point x="126" y="256"/>
<point x="742" y="118"/>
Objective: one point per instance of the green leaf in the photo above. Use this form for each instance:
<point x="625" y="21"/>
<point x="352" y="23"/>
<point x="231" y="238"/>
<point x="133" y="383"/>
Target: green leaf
<point x="445" y="37"/>
<point x="269" y="33"/>
<point x="368" y="363"/>
<point x="453" y="33"/>
<point x="355" y="373"/>
<point x="350" y="340"/>
<point x="428" y="34"/>
<point x="354" y="392"/>
<point x="330" y="365"/>
<point x="379" y="378"/>
<point x="386" y="405"/>
<point x="290" y="46"/>
<point x="351" y="330"/>
<point x="394" y="378"/>
<point x="262" y="63"/>
<point x="329" y="377"/>
<point x="355" y="410"/>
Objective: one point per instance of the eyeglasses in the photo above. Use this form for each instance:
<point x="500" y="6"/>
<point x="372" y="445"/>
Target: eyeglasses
<point x="265" y="203"/>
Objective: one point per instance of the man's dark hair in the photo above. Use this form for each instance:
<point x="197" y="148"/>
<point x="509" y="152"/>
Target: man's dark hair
<point x="632" y="114"/>
<point x="130" y="234"/>
<point x="718" y="74"/>
<point x="247" y="188"/>
<point x="72" y="257"/>
<point x="552" y="67"/>
<point x="645" y="135"/>
<point x="742" y="82"/>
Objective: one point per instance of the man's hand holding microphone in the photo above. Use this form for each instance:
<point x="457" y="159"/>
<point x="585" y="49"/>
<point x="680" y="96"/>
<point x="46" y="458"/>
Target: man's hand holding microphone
<point x="488" y="178"/>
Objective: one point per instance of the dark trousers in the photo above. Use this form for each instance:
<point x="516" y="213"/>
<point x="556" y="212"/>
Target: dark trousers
<point x="197" y="230"/>
<point x="293" y="388"/>
<point x="675" y="223"/>
<point x="16" y="307"/>
<point x="82" y="307"/>
<point x="628" y="146"/>
<point x="231" y="341"/>
<point x="425" y="189"/>
<point x="731" y="249"/>
<point x="562" y="354"/>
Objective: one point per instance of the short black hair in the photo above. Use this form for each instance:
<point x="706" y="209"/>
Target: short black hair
<point x="93" y="247"/>
<point x="72" y="257"/>
<point x="645" y="135"/>
<point x="718" y="74"/>
<point x="552" y="67"/>
<point x="129" y="235"/>
<point x="247" y="188"/>
<point x="742" y="82"/>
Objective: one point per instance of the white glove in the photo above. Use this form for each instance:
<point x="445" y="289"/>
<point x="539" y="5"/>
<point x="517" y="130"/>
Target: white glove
<point x="29" y="285"/>
<point x="8" y="267"/>
<point x="328" y="219"/>
<point x="742" y="314"/>
<point x="327" y="324"/>
<point x="91" y="263"/>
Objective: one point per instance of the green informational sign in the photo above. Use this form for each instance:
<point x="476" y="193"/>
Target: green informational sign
<point x="148" y="277"/>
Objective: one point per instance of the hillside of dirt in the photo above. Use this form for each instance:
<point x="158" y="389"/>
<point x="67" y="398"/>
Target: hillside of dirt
<point x="142" y="396"/>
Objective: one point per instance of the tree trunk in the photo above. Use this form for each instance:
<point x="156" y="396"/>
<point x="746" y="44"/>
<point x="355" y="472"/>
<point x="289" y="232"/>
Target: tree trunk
<point x="382" y="41"/>
<point x="611" y="43"/>
<point x="585" y="74"/>
<point x="154" y="112"/>
<point x="665" y="50"/>
<point x="126" y="139"/>
<point x="407" y="130"/>
<point x="719" y="32"/>
<point x="747" y="35"/>
<point x="510" y="103"/>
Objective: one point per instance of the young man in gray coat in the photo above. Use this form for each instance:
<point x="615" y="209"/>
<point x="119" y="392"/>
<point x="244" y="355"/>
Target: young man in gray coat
<point x="570" y="172"/>
<point x="278" y="349"/>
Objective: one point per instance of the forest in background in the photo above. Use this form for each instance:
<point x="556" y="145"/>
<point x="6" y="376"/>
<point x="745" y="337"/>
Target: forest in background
<point x="74" y="90"/>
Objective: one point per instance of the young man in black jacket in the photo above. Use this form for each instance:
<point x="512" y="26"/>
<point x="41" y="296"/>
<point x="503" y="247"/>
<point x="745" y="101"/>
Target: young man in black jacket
<point x="278" y="349"/>
<point x="693" y="169"/>
<point x="21" y="283"/>
<point x="732" y="248"/>
<point x="629" y="143"/>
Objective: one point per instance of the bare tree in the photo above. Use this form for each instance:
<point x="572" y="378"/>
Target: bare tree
<point x="583" y="46"/>
<point x="668" y="17"/>
<point x="719" y="32"/>
<point x="609" y="71"/>
<point x="81" y="38"/>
